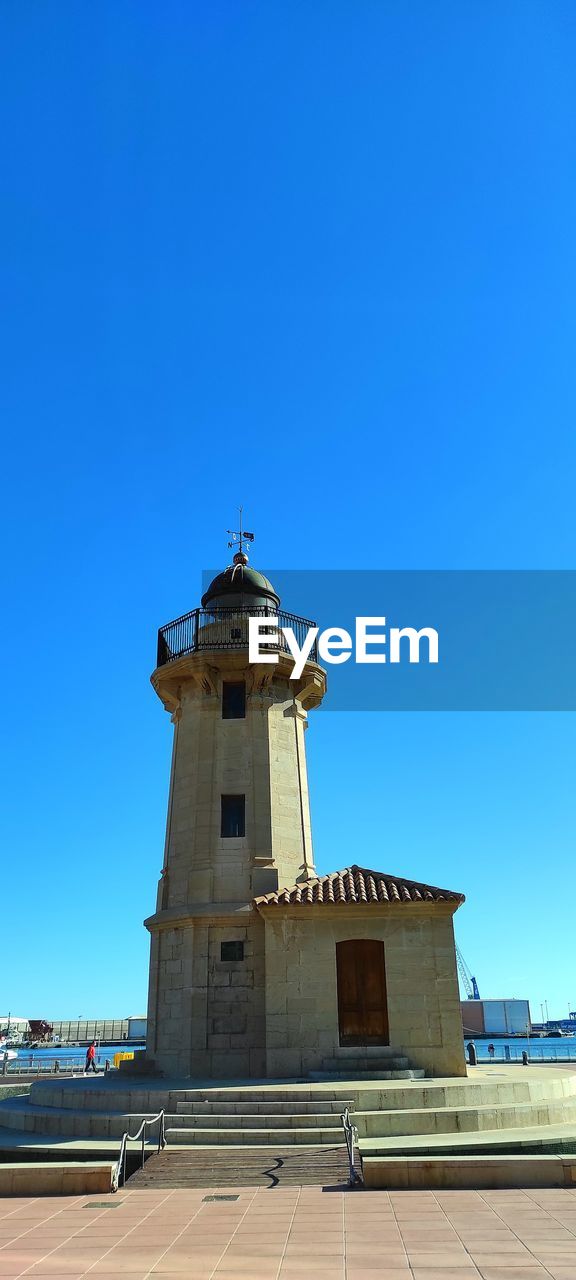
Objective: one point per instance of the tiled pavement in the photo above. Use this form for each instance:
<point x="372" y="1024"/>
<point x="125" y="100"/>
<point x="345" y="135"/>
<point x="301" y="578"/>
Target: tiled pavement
<point x="293" y="1234"/>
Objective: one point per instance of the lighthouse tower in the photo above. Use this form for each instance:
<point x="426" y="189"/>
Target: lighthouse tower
<point x="238" y="824"/>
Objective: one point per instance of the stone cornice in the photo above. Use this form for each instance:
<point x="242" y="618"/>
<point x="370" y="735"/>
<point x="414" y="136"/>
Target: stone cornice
<point x="312" y="911"/>
<point x="204" y="912"/>
<point x="203" y="668"/>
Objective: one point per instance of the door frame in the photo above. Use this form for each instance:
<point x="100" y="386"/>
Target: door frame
<point x="368" y="1008"/>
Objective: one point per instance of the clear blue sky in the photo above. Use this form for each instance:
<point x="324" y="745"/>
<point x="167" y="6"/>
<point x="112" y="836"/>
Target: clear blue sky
<point x="318" y="258"/>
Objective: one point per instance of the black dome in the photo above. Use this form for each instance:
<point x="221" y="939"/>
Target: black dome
<point x="240" y="586"/>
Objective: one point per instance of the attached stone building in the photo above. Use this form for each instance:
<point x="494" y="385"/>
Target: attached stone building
<point x="259" y="968"/>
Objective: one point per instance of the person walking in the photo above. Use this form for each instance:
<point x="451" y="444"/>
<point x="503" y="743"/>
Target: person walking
<point x="491" y="1050"/>
<point x="91" y="1059"/>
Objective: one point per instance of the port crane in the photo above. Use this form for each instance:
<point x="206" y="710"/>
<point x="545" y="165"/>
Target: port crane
<point x="468" y="980"/>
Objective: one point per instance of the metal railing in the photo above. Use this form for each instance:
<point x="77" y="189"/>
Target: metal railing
<point x="39" y="1067"/>
<point x="351" y="1136"/>
<point x="536" y="1052"/>
<point x="227" y="629"/>
<point x="61" y="1061"/>
<point x="119" y="1172"/>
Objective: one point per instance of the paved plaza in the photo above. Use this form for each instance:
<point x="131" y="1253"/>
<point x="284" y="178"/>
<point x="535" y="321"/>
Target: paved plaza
<point x="292" y="1234"/>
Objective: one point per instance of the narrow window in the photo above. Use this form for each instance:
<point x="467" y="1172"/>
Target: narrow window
<point x="231" y="950"/>
<point x="233" y="700"/>
<point x="233" y="816"/>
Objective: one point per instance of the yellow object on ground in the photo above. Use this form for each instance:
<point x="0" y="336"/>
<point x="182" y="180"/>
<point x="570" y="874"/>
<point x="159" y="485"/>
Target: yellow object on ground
<point x="120" y="1057"/>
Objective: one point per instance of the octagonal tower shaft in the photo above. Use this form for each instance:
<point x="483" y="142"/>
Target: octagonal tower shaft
<point x="238" y="825"/>
<point x="238" y="812"/>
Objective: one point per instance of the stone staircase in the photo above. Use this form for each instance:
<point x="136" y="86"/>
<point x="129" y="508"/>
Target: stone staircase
<point x="258" y="1120"/>
<point x="498" y="1121"/>
<point x="367" y="1062"/>
<point x="238" y="1136"/>
<point x="209" y="1116"/>
<point x="229" y="1134"/>
<point x="416" y="1126"/>
<point x="244" y="1167"/>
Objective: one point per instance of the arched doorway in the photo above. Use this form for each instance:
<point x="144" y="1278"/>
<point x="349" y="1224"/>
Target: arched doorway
<point x="362" y="1004"/>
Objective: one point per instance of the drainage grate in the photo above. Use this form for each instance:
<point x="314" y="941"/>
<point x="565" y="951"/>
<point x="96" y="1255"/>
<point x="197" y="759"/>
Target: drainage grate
<point x="104" y="1204"/>
<point x="220" y="1198"/>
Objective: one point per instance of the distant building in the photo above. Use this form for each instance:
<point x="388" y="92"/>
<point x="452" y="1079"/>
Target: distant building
<point x="496" y="1017"/>
<point x="561" y="1024"/>
<point x="12" y="1026"/>
<point x="137" y="1027"/>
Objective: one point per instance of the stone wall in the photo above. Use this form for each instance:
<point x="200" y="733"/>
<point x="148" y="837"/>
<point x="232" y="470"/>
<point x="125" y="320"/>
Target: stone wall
<point x="206" y="1015"/>
<point x="421" y="976"/>
<point x="261" y="756"/>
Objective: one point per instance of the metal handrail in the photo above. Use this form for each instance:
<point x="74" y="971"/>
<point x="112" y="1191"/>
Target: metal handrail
<point x="119" y="1171"/>
<point x="351" y="1136"/>
<point x="227" y="628"/>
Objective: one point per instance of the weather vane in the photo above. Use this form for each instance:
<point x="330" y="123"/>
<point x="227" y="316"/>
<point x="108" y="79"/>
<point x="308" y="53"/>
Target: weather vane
<point x="239" y="537"/>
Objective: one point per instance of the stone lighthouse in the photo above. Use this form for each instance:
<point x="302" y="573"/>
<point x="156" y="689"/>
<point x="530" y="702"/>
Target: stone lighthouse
<point x="260" y="967"/>
<point x="238" y="825"/>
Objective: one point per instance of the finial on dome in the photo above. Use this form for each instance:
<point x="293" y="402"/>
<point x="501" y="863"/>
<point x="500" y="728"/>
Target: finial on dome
<point x="239" y="537"/>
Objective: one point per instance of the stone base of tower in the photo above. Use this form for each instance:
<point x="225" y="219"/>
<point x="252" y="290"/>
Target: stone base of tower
<point x="309" y="982"/>
<point x="206" y="1013"/>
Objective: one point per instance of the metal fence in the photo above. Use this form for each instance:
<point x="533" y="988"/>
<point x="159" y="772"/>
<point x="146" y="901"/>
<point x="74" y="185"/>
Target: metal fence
<point x="64" y="1061"/>
<point x="204" y="629"/>
<point x="536" y="1051"/>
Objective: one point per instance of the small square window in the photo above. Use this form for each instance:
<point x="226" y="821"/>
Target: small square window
<point x="233" y="700"/>
<point x="233" y="819"/>
<point x="231" y="950"/>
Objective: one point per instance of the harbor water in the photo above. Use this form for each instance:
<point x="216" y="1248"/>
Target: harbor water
<point x="67" y="1056"/>
<point x="510" y="1049"/>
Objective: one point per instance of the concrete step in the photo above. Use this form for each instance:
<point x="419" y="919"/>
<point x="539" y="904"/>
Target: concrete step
<point x="414" y="1173"/>
<point x="530" y="1137"/>
<point x="350" y="1075"/>
<point x="55" y="1121"/>
<point x="116" y="1096"/>
<point x="264" y="1106"/>
<point x="320" y="1088"/>
<point x="56" y="1178"/>
<point x="291" y="1093"/>
<point x="472" y="1119"/>
<point x="367" y="1051"/>
<point x="79" y="1094"/>
<point x="360" y="1063"/>
<point x="296" y="1120"/>
<point x="251" y="1137"/>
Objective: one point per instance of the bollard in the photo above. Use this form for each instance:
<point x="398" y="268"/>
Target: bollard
<point x="106" y="1066"/>
<point x="471" y="1047"/>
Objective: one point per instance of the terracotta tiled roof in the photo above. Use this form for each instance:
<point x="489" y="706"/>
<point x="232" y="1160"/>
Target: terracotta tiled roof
<point x="356" y="884"/>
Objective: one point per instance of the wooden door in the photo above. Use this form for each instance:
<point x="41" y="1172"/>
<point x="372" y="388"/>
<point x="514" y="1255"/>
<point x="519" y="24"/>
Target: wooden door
<point x="362" y="1005"/>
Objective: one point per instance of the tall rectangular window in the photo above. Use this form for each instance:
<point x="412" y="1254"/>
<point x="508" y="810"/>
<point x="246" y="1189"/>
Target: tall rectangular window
<point x="233" y="700"/>
<point x="233" y="821"/>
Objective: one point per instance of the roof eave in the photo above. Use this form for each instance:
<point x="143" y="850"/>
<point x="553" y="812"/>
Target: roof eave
<point x="439" y="906"/>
